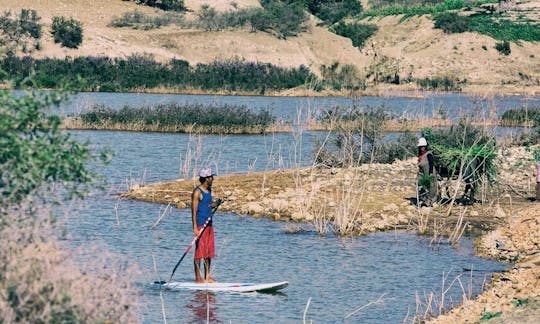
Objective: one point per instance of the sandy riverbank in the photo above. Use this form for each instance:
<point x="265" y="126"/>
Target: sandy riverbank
<point x="378" y="197"/>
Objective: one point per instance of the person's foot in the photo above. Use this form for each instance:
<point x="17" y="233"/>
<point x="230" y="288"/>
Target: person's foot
<point x="199" y="280"/>
<point x="210" y="280"/>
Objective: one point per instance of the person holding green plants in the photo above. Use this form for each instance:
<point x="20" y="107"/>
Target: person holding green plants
<point x="427" y="188"/>
<point x="538" y="180"/>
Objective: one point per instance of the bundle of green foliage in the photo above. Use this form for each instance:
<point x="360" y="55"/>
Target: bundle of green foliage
<point x="227" y="119"/>
<point x="20" y="33"/>
<point x="357" y="32"/>
<point x="463" y="150"/>
<point x="68" y="32"/>
<point x="174" y="5"/>
<point x="35" y="152"/>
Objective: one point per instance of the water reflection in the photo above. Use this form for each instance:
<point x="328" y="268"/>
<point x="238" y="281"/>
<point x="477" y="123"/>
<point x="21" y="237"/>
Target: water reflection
<point x="203" y="307"/>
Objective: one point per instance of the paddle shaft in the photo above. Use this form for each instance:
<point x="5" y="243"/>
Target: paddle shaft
<point x="195" y="239"/>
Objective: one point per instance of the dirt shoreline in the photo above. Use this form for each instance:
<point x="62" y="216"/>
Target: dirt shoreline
<point x="381" y="195"/>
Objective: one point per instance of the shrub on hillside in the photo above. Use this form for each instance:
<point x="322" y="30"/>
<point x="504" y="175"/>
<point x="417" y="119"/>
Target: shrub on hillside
<point x="68" y="32"/>
<point x="279" y="18"/>
<point x="330" y="11"/>
<point x="174" y="5"/>
<point x="451" y="22"/>
<point x="17" y="33"/>
<point x="138" y="20"/>
<point x="503" y="47"/>
<point x="357" y="32"/>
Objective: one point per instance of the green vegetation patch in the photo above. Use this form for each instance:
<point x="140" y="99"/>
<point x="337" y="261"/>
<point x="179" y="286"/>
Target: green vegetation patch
<point x="357" y="32"/>
<point x="423" y="9"/>
<point x="224" y="119"/>
<point x="521" y="117"/>
<point x="143" y="72"/>
<point x="502" y="28"/>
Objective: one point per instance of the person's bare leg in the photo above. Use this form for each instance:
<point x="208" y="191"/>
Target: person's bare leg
<point x="207" y="277"/>
<point x="197" y="266"/>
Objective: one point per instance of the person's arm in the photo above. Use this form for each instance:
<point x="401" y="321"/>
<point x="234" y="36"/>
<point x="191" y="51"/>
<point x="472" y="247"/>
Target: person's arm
<point x="430" y="162"/>
<point x="195" y="198"/>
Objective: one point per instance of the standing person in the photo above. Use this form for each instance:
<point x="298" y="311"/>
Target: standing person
<point x="201" y="211"/>
<point x="427" y="179"/>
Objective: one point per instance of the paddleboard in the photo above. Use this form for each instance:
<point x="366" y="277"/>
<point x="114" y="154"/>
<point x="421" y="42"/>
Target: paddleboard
<point x="222" y="286"/>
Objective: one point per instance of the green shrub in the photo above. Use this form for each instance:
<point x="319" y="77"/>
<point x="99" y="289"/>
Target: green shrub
<point x="501" y="28"/>
<point x="174" y="5"/>
<point x="279" y="18"/>
<point x="520" y="117"/>
<point x="215" y="118"/>
<point x="68" y="32"/>
<point x="138" y="20"/>
<point x="503" y="47"/>
<point x="17" y="33"/>
<point x="451" y="22"/>
<point x="357" y="32"/>
<point x="445" y="83"/>
<point x="141" y="72"/>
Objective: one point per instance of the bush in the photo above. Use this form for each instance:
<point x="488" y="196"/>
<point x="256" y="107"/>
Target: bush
<point x="503" y="47"/>
<point x="451" y="22"/>
<point x="67" y="32"/>
<point x="225" y="119"/>
<point x="445" y="83"/>
<point x="16" y="33"/>
<point x="174" y="5"/>
<point x="142" y="72"/>
<point x="279" y="18"/>
<point x="138" y="20"/>
<point x="521" y="117"/>
<point x="357" y="32"/>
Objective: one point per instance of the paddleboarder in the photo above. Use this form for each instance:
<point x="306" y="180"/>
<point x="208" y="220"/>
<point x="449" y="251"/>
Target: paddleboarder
<point x="201" y="209"/>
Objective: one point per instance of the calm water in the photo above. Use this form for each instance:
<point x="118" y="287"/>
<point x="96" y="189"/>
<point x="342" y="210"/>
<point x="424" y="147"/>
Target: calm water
<point x="454" y="105"/>
<point x="339" y="275"/>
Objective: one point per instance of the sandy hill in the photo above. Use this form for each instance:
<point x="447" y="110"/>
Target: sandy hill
<point x="410" y="48"/>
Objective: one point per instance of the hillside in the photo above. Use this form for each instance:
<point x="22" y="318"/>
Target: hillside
<point x="411" y="48"/>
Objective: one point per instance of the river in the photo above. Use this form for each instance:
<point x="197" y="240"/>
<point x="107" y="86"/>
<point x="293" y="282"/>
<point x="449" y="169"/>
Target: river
<point x="337" y="275"/>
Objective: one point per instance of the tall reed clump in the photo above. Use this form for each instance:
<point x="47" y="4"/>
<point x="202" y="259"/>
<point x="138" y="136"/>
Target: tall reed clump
<point x="42" y="167"/>
<point x="189" y="118"/>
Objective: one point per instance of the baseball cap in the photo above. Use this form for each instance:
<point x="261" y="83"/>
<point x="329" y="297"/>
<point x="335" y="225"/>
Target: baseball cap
<point x="206" y="172"/>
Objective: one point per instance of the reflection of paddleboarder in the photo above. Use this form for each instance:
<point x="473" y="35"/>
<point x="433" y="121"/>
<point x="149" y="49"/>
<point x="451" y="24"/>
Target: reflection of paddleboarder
<point x="201" y="211"/>
<point x="202" y="306"/>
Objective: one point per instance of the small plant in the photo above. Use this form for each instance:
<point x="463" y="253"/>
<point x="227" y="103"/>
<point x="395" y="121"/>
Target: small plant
<point x="17" y="33"/>
<point x="174" y="5"/>
<point x="451" y="22"/>
<point x="68" y="32"/>
<point x="357" y="32"/>
<point x="484" y="47"/>
<point x="503" y="48"/>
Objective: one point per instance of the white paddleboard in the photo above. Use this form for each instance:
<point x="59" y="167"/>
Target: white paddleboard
<point x="222" y="286"/>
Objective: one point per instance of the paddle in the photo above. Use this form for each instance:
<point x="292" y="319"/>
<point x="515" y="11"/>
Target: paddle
<point x="196" y="238"/>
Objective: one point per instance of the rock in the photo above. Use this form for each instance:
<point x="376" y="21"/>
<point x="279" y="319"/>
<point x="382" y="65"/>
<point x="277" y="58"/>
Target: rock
<point x="181" y="205"/>
<point x="254" y="208"/>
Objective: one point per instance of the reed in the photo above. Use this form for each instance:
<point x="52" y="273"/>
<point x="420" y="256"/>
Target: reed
<point x="189" y="118"/>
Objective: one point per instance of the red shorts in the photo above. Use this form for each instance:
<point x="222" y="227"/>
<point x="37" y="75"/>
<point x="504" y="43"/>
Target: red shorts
<point x="205" y="244"/>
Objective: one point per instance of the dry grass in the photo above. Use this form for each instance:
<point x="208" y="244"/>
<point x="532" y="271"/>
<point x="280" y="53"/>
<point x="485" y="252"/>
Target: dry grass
<point x="42" y="281"/>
